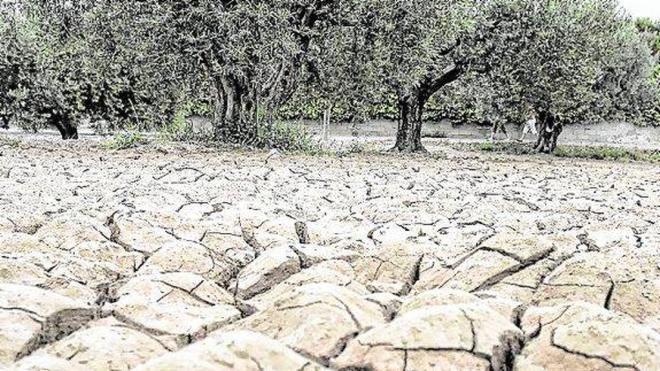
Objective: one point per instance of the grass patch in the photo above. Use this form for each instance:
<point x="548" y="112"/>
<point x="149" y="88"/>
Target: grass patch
<point x="282" y="136"/>
<point x="179" y="130"/>
<point x="287" y="137"/>
<point x="436" y="135"/>
<point x="353" y="149"/>
<point x="124" y="140"/>
<point x="10" y="142"/>
<point x="580" y="152"/>
<point x="486" y="147"/>
<point x="607" y="153"/>
<point x="511" y="148"/>
<point x="182" y="128"/>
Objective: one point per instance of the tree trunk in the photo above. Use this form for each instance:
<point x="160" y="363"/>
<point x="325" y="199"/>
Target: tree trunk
<point x="235" y="112"/>
<point x="550" y="129"/>
<point x="64" y="126"/>
<point x="411" y="109"/>
<point x="409" y="131"/>
<point x="232" y="115"/>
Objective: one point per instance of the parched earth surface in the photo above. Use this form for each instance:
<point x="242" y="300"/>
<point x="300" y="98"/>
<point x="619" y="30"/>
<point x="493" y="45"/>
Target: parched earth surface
<point x="172" y="259"/>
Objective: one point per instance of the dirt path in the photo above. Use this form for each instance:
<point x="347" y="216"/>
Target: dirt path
<point x="606" y="134"/>
<point x="177" y="258"/>
<point x="381" y="134"/>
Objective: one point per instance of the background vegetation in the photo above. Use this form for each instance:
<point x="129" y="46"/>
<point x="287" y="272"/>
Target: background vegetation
<point x="248" y="64"/>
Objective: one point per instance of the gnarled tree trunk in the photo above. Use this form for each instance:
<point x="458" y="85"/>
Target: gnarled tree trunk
<point x="234" y="111"/>
<point x="409" y="130"/>
<point x="549" y="130"/>
<point x="64" y="126"/>
<point x="411" y="109"/>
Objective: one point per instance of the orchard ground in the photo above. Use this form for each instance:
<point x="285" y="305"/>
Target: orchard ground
<point x="172" y="256"/>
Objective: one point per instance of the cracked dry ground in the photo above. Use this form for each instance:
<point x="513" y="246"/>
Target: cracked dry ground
<point x="193" y="259"/>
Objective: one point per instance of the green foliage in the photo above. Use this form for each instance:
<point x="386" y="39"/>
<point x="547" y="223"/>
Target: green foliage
<point x="487" y="147"/>
<point x="250" y="56"/>
<point x="286" y="137"/>
<point x="72" y="60"/>
<point x="650" y="32"/>
<point x="608" y="153"/>
<point x="650" y="29"/>
<point x="154" y="63"/>
<point x="436" y="135"/>
<point x="502" y="147"/>
<point x="39" y="83"/>
<point x="124" y="140"/>
<point x="10" y="142"/>
<point x="354" y="148"/>
<point x="581" y="152"/>
<point x="565" y="61"/>
<point x="180" y="128"/>
<point x="415" y="41"/>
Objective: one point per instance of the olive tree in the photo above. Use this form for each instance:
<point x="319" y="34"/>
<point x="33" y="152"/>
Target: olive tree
<point x="250" y="54"/>
<point x="40" y="82"/>
<point x="650" y="32"/>
<point x="67" y="61"/>
<point x="130" y="85"/>
<point x="342" y="81"/>
<point x="572" y="61"/>
<point x="137" y="62"/>
<point x="8" y="72"/>
<point x="415" y="46"/>
<point x="422" y="47"/>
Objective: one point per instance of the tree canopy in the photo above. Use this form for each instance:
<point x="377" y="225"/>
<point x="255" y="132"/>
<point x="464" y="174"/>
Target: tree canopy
<point x="250" y="62"/>
<point x="568" y="61"/>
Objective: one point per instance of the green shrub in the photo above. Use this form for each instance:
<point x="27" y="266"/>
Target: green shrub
<point x="584" y="152"/>
<point x="607" y="153"/>
<point x="286" y="137"/>
<point x="177" y="130"/>
<point x="487" y="147"/>
<point x="10" y="142"/>
<point x="180" y="128"/>
<point x="124" y="140"/>
<point x="511" y="148"/>
<point x="436" y="135"/>
<point x="353" y="148"/>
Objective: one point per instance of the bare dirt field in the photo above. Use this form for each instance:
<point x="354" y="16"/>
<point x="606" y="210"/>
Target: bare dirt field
<point x="189" y="258"/>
